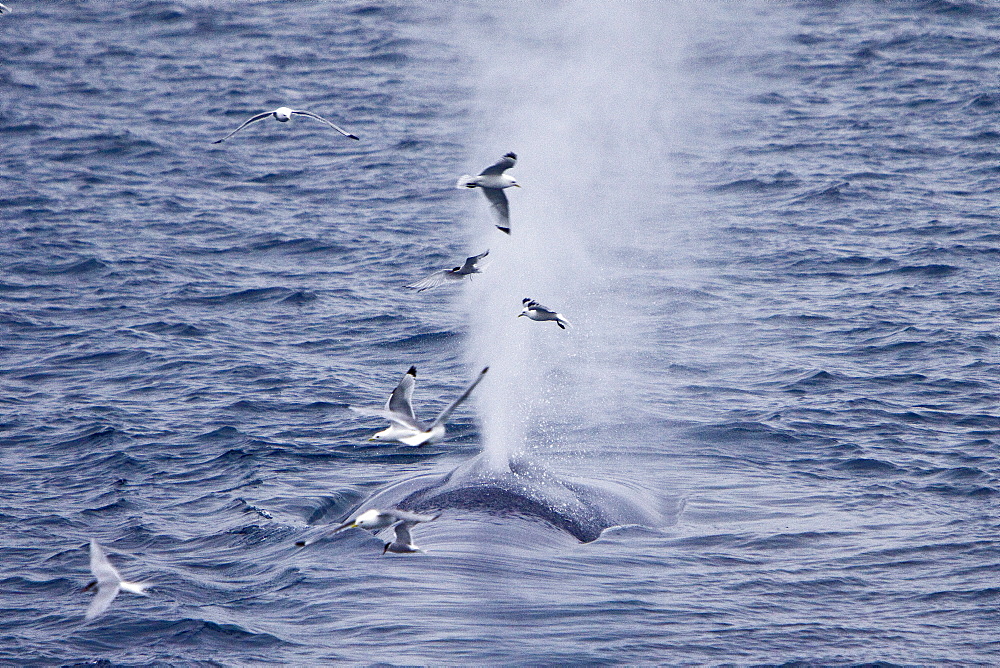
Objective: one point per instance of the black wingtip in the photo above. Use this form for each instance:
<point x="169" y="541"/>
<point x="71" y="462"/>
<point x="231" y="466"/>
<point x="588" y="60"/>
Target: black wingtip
<point x="511" y="154"/>
<point x="561" y="326"/>
<point x="526" y="300"/>
<point x="505" y="230"/>
<point x="217" y="141"/>
<point x="300" y="543"/>
<point x="412" y="371"/>
<point x="354" y="137"/>
<point x="485" y="369"/>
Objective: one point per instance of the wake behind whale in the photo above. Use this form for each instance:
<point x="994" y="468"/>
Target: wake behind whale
<point x="583" y="509"/>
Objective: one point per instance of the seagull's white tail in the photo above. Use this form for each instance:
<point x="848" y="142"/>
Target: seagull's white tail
<point x="465" y="181"/>
<point x="134" y="587"/>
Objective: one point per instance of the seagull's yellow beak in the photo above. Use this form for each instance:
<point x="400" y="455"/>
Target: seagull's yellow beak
<point x="372" y="439"/>
<point x="517" y="185"/>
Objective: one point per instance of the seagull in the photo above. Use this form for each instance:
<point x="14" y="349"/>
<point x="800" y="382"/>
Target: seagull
<point x="405" y="427"/>
<point x="284" y="114"/>
<point x="536" y="311"/>
<point x="470" y="267"/>
<point x="108" y="582"/>
<point x="376" y="520"/>
<point x="402" y="543"/>
<point x="400" y="401"/>
<point x="492" y="180"/>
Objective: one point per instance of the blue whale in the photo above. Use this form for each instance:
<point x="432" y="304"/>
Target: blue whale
<point x="526" y="489"/>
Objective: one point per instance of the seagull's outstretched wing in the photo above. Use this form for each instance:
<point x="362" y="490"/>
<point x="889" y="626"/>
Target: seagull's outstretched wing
<point x="401" y="419"/>
<point x="320" y="118"/>
<point x="544" y="309"/>
<point x="403" y="532"/>
<point x="101" y="567"/>
<point x="433" y="280"/>
<point x="400" y="401"/>
<point x="254" y="119"/>
<point x="470" y="266"/>
<point x="106" y="593"/>
<point x="465" y="395"/>
<point x="501" y="165"/>
<point x="412" y="518"/>
<point x="498" y="201"/>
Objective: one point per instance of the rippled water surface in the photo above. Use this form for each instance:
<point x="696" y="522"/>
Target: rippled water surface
<point x="773" y="226"/>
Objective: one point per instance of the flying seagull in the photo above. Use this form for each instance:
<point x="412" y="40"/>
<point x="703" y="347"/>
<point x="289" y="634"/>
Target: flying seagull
<point x="399" y="402"/>
<point x="470" y="267"/>
<point x="108" y="582"/>
<point x="402" y="543"/>
<point x="376" y="520"/>
<point x="536" y="311"/>
<point x="284" y="114"/>
<point x="405" y="427"/>
<point x="379" y="519"/>
<point x="492" y="181"/>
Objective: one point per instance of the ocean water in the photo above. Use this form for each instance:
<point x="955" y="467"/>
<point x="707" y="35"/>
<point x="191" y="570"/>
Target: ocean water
<point x="773" y="226"/>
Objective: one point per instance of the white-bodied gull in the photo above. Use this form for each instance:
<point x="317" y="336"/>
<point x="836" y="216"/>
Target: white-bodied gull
<point x="284" y="114"/>
<point x="375" y="520"/>
<point x="536" y="311"/>
<point x="470" y="267"/>
<point x="405" y="427"/>
<point x="492" y="182"/>
<point x="108" y="582"/>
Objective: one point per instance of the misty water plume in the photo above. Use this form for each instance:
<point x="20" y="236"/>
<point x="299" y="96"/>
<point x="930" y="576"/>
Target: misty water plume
<point x="591" y="96"/>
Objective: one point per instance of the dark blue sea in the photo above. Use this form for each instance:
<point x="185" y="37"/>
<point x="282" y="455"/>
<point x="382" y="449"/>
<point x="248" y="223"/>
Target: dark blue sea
<point x="771" y="435"/>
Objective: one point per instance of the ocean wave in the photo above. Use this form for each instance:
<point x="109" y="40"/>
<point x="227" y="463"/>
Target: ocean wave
<point x="74" y="267"/>
<point x="926" y="270"/>
<point x="742" y="432"/>
<point x="104" y="146"/>
<point x="173" y="329"/>
<point x="247" y="296"/>
<point x="780" y="181"/>
<point x="868" y="466"/>
<point x="157" y="11"/>
<point x="420" y="340"/>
